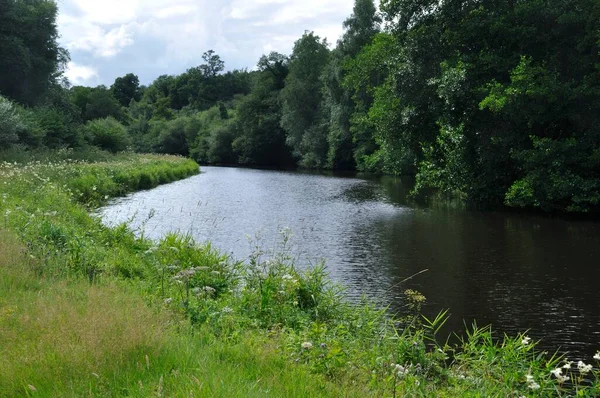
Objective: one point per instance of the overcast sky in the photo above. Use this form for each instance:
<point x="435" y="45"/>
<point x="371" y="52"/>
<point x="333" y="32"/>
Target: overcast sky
<point x="110" y="38"/>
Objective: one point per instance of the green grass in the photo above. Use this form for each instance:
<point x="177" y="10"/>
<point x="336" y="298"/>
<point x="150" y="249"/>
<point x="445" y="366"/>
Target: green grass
<point x="87" y="310"/>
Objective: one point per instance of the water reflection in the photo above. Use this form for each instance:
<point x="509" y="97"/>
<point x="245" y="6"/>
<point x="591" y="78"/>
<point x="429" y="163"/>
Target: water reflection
<point x="513" y="271"/>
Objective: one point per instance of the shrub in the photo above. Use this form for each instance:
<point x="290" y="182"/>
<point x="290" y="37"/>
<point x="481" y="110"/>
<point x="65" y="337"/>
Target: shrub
<point x="107" y="134"/>
<point x="10" y="123"/>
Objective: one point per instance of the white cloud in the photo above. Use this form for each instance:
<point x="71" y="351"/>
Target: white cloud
<point x="81" y="75"/>
<point x="154" y="37"/>
<point x="101" y="42"/>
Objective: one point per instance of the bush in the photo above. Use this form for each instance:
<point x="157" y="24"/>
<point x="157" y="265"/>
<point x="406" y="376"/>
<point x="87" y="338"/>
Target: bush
<point x="107" y="134"/>
<point x="10" y="124"/>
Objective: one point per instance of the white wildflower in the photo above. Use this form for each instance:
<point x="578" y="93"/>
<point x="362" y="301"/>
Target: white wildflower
<point x="531" y="383"/>
<point x="227" y="310"/>
<point x="597" y="356"/>
<point x="526" y="340"/>
<point x="534" y="386"/>
<point x="400" y="370"/>
<point x="209" y="290"/>
<point x="168" y="301"/>
<point x="583" y="368"/>
<point x="307" y="345"/>
<point x="559" y="376"/>
<point x="557" y="372"/>
<point x="567" y="365"/>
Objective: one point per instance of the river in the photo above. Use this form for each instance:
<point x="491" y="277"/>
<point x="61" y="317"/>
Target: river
<point x="516" y="272"/>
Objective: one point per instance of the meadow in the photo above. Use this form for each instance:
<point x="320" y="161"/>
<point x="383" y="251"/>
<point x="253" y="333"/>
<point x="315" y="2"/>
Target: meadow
<point x="88" y="310"/>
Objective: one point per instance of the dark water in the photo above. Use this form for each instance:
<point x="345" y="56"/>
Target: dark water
<point x="515" y="272"/>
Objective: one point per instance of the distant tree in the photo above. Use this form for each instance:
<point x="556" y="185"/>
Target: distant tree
<point x="277" y="65"/>
<point x="349" y="147"/>
<point x="213" y="64"/>
<point x="126" y="88"/>
<point x="302" y="117"/>
<point x="260" y="140"/>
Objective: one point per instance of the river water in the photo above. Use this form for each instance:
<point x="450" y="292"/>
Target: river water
<point x="516" y="272"/>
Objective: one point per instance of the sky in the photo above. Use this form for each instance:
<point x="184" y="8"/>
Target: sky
<point x="110" y="38"/>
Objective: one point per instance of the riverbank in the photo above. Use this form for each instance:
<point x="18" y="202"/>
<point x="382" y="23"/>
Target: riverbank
<point x="105" y="313"/>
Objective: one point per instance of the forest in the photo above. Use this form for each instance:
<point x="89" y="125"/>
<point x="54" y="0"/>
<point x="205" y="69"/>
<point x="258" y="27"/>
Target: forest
<point x="496" y="101"/>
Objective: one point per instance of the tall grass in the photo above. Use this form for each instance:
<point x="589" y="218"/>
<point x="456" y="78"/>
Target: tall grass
<point x="106" y="313"/>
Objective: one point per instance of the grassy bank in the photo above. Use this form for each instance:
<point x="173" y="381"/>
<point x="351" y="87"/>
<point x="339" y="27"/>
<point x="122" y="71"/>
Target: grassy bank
<point x="87" y="310"/>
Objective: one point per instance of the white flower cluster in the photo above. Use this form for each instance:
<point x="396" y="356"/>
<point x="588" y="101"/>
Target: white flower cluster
<point x="531" y="383"/>
<point x="559" y="375"/>
<point x="307" y="345"/>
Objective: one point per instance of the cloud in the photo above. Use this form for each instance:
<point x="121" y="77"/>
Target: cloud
<point x="81" y="75"/>
<point x="155" y="37"/>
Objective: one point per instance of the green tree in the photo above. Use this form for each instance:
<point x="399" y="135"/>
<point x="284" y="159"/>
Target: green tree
<point x="126" y="88"/>
<point x="302" y="117"/>
<point x="31" y="58"/>
<point x="360" y="28"/>
<point x="260" y="140"/>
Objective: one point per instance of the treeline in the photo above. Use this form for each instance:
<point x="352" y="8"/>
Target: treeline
<point x="497" y="101"/>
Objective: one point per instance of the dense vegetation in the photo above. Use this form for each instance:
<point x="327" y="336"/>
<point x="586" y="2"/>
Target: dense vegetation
<point x="496" y="101"/>
<point x="104" y="313"/>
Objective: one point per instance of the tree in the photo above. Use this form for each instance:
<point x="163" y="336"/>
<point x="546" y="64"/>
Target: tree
<point x="213" y="64"/>
<point x="302" y="117"/>
<point x="260" y="140"/>
<point x="126" y="88"/>
<point x="346" y="151"/>
<point x="96" y="103"/>
<point x="31" y="58"/>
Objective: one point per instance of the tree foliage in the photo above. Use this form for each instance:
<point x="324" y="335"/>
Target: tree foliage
<point x="496" y="101"/>
<point x="31" y="58"/>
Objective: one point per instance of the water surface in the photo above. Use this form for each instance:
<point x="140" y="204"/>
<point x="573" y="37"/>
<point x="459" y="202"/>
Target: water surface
<point x="513" y="271"/>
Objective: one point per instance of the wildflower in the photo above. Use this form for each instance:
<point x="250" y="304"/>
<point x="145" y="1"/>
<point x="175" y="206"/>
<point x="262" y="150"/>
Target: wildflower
<point x="531" y="383"/>
<point x="94" y="188"/>
<point x="209" y="290"/>
<point x="400" y="370"/>
<point x="196" y="291"/>
<point x="307" y="345"/>
<point x="227" y="310"/>
<point x="559" y="376"/>
<point x="526" y="340"/>
<point x="557" y="372"/>
<point x="529" y="378"/>
<point x="597" y="356"/>
<point x="168" y="301"/>
<point x="583" y="368"/>
<point x="534" y="386"/>
<point x="567" y="365"/>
